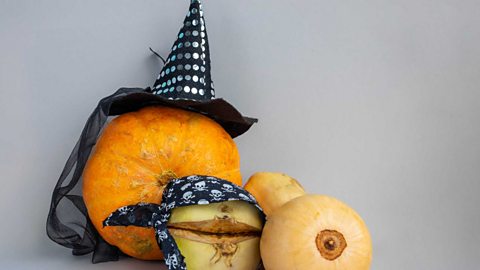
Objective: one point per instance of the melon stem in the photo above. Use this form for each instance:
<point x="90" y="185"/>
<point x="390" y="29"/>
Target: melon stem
<point x="330" y="244"/>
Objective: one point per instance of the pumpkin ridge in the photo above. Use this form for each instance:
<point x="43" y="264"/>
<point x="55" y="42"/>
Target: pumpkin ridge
<point x="184" y="130"/>
<point x="136" y="161"/>
<point x="187" y="129"/>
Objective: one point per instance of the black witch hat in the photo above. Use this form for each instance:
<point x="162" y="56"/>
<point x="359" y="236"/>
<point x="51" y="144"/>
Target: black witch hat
<point x="184" y="82"/>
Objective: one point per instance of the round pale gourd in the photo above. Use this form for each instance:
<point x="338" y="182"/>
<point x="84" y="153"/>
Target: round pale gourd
<point x="135" y="157"/>
<point x="218" y="236"/>
<point x="315" y="232"/>
<point x="272" y="190"/>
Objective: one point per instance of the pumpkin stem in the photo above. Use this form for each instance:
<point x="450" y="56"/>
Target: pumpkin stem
<point x="330" y="244"/>
<point x="165" y="177"/>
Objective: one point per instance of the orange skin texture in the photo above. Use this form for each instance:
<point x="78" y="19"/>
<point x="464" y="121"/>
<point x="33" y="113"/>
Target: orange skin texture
<point x="135" y="157"/>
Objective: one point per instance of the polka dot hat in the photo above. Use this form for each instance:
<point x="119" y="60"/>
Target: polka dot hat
<point x="186" y="74"/>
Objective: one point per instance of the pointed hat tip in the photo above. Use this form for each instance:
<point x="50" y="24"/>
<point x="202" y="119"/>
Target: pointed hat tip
<point x="186" y="73"/>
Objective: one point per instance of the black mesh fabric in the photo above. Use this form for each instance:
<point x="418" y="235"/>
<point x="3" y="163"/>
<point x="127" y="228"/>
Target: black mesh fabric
<point x="68" y="223"/>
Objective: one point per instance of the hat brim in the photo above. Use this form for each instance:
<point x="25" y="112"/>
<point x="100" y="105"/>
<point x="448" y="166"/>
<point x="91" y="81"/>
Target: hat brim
<point x="131" y="99"/>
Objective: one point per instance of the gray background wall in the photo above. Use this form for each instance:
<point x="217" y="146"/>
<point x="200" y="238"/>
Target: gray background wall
<point x="374" y="102"/>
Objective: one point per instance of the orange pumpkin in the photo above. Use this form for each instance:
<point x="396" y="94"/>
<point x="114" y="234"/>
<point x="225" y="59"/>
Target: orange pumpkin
<point x="135" y="157"/>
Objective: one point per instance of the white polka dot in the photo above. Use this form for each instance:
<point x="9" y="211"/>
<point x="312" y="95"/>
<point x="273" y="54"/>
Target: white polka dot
<point x="195" y="56"/>
<point x="201" y="92"/>
<point x="186" y="89"/>
<point x="195" y="78"/>
<point x="194" y="90"/>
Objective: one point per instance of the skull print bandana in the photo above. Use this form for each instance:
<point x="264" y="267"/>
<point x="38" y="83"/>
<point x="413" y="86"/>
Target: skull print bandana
<point x="184" y="191"/>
